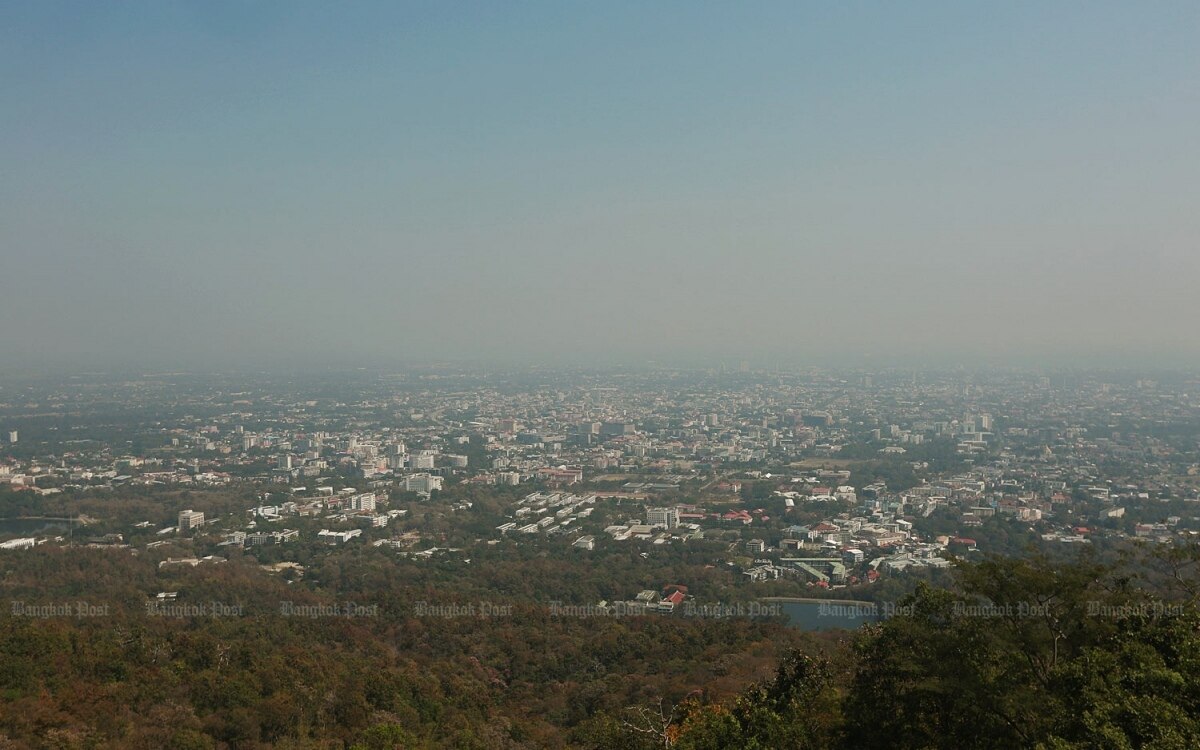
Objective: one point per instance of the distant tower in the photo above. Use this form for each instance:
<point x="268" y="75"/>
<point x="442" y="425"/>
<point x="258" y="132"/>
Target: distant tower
<point x="12" y="436"/>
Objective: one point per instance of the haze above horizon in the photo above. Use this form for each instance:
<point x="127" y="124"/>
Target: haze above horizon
<point x="204" y="184"/>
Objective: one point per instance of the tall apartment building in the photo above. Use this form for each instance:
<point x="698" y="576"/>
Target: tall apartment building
<point x="509" y="478"/>
<point x="667" y="518"/>
<point x="425" y="483"/>
<point x="190" y="519"/>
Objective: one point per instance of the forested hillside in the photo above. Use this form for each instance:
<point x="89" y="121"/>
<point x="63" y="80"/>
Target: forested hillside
<point x="1015" y="654"/>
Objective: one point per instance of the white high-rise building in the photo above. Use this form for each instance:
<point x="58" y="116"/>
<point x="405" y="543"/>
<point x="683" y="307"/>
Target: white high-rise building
<point x="667" y="518"/>
<point x="190" y="519"/>
<point x="424" y="483"/>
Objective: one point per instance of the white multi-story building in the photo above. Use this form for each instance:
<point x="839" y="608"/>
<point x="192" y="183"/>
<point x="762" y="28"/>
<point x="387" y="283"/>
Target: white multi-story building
<point x="190" y="519"/>
<point x="667" y="518"/>
<point x="337" y="537"/>
<point x="424" y="483"/>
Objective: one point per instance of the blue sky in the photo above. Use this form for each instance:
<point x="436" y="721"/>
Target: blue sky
<point x="225" y="182"/>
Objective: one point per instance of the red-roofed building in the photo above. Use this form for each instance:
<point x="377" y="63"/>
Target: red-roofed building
<point x="737" y="515"/>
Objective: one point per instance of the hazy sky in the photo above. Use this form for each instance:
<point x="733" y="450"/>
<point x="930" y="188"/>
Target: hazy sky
<point x="228" y="182"/>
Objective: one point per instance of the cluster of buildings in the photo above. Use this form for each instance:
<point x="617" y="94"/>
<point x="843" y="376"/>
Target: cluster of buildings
<point x="548" y="513"/>
<point x="831" y="478"/>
